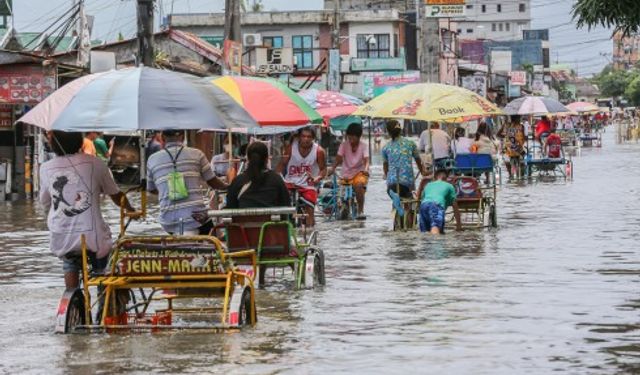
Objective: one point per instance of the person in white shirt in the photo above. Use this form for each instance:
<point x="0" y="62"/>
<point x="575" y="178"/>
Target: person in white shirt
<point x="461" y="144"/>
<point x="439" y="143"/>
<point x="71" y="186"/>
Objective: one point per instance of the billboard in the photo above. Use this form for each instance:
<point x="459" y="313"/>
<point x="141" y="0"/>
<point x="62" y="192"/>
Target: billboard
<point x="333" y="78"/>
<point x="476" y="83"/>
<point x="233" y="56"/>
<point x="25" y="84"/>
<point x="274" y="60"/>
<point x="377" y="83"/>
<point x="444" y="11"/>
<point x="518" y="78"/>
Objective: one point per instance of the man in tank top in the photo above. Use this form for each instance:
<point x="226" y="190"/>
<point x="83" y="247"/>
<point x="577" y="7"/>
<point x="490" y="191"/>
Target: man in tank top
<point x="304" y="166"/>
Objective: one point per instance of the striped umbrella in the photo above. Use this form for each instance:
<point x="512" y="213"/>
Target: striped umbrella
<point x="269" y="101"/>
<point x="137" y="98"/>
<point x="535" y="105"/>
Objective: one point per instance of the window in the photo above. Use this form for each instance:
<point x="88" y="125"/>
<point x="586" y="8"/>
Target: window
<point x="507" y="26"/>
<point x="500" y="26"/>
<point x="484" y="8"/>
<point x="272" y="42"/>
<point x="373" y="45"/>
<point x="469" y="31"/>
<point x="303" y="51"/>
<point x="493" y="27"/>
<point x="522" y="8"/>
<point x="459" y="31"/>
<point x="469" y="6"/>
<point x="499" y="8"/>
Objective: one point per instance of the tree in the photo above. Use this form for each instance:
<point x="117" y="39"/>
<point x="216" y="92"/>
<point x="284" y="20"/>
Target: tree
<point x="632" y="93"/>
<point x="620" y="15"/>
<point x="614" y="83"/>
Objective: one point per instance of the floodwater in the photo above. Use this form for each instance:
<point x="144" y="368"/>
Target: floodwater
<point x="555" y="288"/>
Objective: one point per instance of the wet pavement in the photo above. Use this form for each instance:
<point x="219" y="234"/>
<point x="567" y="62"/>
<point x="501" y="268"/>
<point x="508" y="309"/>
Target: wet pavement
<point x="555" y="288"/>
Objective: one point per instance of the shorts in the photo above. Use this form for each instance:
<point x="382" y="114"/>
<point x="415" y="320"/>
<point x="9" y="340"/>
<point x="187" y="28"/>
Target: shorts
<point x="431" y="216"/>
<point x="359" y="179"/>
<point x="405" y="192"/>
<point x="308" y="196"/>
<point x="72" y="262"/>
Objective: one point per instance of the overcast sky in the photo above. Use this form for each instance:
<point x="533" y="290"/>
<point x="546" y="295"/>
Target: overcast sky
<point x="581" y="49"/>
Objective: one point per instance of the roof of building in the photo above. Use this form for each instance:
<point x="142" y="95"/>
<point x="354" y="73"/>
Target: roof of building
<point x="288" y="17"/>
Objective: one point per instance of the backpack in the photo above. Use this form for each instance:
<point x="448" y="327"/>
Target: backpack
<point x="175" y="180"/>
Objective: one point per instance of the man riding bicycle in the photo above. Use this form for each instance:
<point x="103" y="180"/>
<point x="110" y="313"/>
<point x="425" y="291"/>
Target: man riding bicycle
<point x="304" y="163"/>
<point x="353" y="155"/>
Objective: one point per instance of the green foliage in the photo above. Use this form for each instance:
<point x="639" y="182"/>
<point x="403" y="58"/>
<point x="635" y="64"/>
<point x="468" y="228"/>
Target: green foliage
<point x="620" y="15"/>
<point x="632" y="92"/>
<point x="614" y="83"/>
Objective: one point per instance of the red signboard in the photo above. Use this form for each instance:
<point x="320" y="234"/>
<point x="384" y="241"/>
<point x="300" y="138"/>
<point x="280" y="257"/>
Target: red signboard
<point x="6" y="119"/>
<point x="25" y="84"/>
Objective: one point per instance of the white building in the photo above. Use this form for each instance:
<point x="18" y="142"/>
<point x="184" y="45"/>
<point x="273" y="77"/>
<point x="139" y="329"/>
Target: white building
<point x="497" y="20"/>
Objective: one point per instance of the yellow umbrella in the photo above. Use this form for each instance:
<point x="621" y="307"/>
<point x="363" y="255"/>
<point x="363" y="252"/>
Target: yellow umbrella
<point x="428" y="102"/>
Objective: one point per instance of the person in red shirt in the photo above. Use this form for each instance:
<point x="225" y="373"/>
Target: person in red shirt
<point x="553" y="146"/>
<point x="543" y="126"/>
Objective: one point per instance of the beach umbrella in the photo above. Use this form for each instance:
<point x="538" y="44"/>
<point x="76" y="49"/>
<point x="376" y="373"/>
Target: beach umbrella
<point x="428" y="102"/>
<point x="331" y="104"/>
<point x="267" y="100"/>
<point x="581" y="107"/>
<point x="535" y="105"/>
<point x="136" y="99"/>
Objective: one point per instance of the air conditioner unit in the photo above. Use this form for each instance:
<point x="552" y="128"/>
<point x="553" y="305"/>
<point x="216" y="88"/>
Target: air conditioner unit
<point x="252" y="40"/>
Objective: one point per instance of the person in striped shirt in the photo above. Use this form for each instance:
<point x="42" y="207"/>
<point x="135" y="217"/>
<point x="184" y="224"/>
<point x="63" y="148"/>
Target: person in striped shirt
<point x="176" y="216"/>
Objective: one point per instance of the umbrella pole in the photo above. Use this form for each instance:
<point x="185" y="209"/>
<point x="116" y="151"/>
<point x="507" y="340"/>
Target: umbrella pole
<point x="370" y="147"/>
<point x="230" y="155"/>
<point x="143" y="173"/>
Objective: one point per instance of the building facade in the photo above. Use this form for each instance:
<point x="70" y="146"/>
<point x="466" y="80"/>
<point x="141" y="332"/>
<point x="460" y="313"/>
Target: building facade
<point x="369" y="40"/>
<point x="496" y="20"/>
<point x="626" y="51"/>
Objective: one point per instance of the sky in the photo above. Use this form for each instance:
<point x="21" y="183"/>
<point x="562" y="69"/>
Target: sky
<point x="586" y="52"/>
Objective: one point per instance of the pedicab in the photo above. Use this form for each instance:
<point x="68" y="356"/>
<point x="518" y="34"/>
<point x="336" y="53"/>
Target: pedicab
<point x="476" y="200"/>
<point x="424" y="102"/>
<point x="539" y="165"/>
<point x="273" y="236"/>
<point x="152" y="282"/>
<point x="535" y="163"/>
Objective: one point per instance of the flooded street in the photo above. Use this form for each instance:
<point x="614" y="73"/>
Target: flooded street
<point x="556" y="287"/>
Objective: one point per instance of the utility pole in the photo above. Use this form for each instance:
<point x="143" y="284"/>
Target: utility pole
<point x="428" y="42"/>
<point x="232" y="20"/>
<point x="336" y="24"/>
<point x="146" y="55"/>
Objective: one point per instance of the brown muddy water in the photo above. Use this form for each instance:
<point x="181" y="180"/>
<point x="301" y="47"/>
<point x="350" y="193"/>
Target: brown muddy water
<point x="555" y="288"/>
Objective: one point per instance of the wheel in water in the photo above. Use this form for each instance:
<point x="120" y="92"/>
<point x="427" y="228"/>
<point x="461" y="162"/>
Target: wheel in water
<point x="318" y="268"/>
<point x="246" y="308"/>
<point x="75" y="315"/>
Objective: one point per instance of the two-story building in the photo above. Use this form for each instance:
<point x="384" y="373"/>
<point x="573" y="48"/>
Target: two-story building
<point x="369" y="40"/>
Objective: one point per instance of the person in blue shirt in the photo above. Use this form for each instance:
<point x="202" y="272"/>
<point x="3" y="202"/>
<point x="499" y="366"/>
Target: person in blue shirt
<point x="436" y="197"/>
<point x="397" y="164"/>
